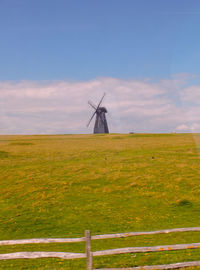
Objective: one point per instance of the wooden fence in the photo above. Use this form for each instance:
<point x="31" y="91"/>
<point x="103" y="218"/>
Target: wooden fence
<point x="89" y="254"/>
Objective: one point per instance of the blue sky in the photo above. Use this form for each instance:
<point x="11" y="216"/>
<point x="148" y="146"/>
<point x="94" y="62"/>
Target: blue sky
<point x="79" y="40"/>
<point x="148" y="44"/>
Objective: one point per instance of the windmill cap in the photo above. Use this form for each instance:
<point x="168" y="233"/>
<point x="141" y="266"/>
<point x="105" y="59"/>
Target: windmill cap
<point x="102" y="109"/>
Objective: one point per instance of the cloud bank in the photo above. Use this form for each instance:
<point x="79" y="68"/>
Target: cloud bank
<point x="60" y="107"/>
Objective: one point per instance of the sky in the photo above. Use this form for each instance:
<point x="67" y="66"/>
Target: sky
<point x="55" y="55"/>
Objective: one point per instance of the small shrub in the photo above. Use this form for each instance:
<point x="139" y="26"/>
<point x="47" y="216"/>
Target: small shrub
<point x="184" y="202"/>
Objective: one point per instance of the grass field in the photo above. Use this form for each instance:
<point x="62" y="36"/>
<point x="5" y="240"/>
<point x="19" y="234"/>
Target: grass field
<point x="58" y="186"/>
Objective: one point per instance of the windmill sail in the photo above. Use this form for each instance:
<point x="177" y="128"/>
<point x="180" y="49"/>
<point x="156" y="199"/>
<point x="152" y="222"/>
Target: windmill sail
<point x="101" y="125"/>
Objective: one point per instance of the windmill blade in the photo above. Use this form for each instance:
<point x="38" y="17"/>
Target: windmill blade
<point x="92" y="105"/>
<point x="91" y="119"/>
<point x="101" y="101"/>
<point x="96" y="109"/>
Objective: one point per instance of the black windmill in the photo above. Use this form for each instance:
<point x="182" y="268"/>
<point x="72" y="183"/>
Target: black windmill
<point x="101" y="125"/>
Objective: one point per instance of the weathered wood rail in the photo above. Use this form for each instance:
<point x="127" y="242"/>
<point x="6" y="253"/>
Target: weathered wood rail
<point x="89" y="254"/>
<point x="163" y="266"/>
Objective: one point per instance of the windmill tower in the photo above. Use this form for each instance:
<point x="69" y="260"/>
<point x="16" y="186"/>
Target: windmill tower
<point x="101" y="125"/>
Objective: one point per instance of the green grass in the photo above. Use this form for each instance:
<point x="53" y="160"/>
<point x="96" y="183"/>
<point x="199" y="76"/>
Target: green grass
<point x="59" y="186"/>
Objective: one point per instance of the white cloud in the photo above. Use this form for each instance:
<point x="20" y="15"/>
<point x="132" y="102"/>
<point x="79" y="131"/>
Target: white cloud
<point x="182" y="127"/>
<point x="29" y="107"/>
<point x="193" y="127"/>
<point x="191" y="94"/>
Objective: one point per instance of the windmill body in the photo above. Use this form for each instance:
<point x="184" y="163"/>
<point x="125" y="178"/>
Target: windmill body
<point x="101" y="125"/>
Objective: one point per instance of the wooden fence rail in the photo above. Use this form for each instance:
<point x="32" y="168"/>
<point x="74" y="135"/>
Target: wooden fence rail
<point x="95" y="237"/>
<point x="89" y="254"/>
<point x="163" y="266"/>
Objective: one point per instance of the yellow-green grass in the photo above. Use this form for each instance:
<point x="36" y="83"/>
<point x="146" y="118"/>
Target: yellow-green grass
<point x="58" y="186"/>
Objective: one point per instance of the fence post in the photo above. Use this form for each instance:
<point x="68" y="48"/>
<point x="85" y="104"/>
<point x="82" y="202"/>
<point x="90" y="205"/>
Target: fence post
<point x="88" y="250"/>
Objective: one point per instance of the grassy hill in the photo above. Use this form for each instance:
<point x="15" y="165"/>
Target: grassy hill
<point x="58" y="186"/>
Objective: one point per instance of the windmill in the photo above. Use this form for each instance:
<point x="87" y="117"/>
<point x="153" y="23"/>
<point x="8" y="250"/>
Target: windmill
<point x="101" y="125"/>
